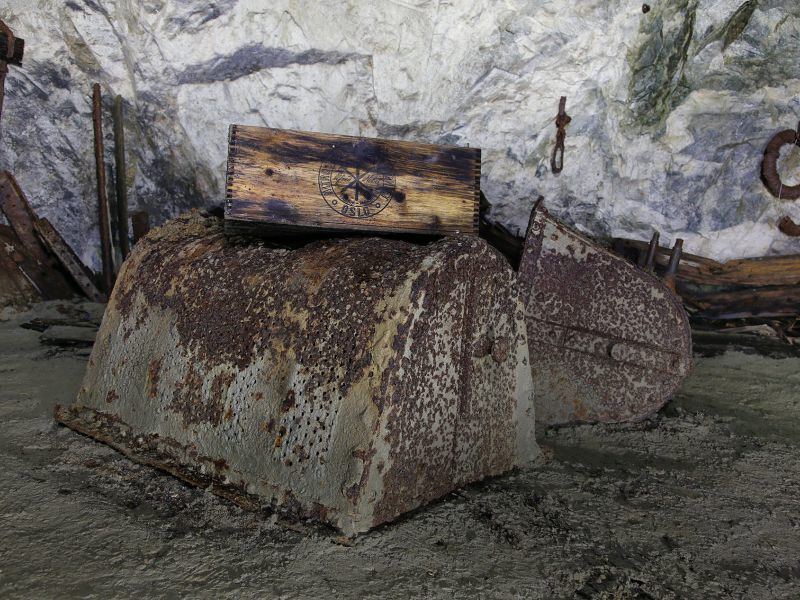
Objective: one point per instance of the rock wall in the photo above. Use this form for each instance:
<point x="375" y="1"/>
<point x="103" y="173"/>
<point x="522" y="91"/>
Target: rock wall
<point x="671" y="109"/>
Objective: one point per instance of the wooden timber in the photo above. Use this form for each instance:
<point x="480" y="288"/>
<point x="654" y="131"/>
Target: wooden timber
<point x="69" y="260"/>
<point x="16" y="289"/>
<point x="292" y="179"/>
<point x="748" y="288"/>
<point x="41" y="268"/>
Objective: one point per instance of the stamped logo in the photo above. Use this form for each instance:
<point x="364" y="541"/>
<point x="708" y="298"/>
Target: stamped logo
<point x="355" y="191"/>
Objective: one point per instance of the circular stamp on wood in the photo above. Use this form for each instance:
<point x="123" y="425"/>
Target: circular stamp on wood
<point x="354" y="191"/>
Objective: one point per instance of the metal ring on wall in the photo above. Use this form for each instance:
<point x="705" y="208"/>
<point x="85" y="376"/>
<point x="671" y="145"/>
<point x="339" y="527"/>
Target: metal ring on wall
<point x="769" y="167"/>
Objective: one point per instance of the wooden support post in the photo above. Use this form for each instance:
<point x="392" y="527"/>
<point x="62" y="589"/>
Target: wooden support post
<point x="121" y="187"/>
<point x="102" y="198"/>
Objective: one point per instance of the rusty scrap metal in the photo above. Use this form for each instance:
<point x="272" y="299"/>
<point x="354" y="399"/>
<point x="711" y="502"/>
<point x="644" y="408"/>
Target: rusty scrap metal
<point x="788" y="227"/>
<point x="769" y="166"/>
<point x="650" y="258"/>
<point x="121" y="185"/>
<point x="609" y="342"/>
<point x="12" y="49"/>
<point x="562" y="120"/>
<point x="350" y="380"/>
<point x="69" y="260"/>
<point x="102" y="197"/>
<point x="672" y="267"/>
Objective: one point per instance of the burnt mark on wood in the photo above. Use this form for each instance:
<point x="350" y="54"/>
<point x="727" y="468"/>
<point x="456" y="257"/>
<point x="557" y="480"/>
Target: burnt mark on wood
<point x="281" y="210"/>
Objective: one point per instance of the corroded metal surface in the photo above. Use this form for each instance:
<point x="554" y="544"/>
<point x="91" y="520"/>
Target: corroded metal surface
<point x="608" y="342"/>
<point x="349" y="380"/>
<point x="769" y="166"/>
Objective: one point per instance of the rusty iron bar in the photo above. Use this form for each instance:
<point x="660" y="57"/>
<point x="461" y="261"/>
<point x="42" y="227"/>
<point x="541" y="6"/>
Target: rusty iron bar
<point x="562" y="120"/>
<point x="121" y="170"/>
<point x="102" y="197"/>
<point x="649" y="261"/>
<point x="672" y="267"/>
<point x="140" y="221"/>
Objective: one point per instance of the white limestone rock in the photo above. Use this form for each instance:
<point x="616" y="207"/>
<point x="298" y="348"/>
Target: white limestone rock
<point x="671" y="109"/>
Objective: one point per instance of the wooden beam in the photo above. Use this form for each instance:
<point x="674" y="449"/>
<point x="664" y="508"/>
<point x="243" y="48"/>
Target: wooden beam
<point x="69" y="260"/>
<point x="40" y="267"/>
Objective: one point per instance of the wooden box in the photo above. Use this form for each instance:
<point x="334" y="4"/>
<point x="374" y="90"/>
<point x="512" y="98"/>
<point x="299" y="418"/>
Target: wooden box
<point x="293" y="179"/>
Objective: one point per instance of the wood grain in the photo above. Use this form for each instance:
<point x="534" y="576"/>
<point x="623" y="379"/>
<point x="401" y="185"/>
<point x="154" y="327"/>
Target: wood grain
<point x="314" y="180"/>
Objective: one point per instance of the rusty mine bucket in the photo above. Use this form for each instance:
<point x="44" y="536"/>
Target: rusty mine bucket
<point x="349" y="380"/>
<point x="608" y="341"/>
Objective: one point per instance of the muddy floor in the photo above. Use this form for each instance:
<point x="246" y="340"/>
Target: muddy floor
<point x="702" y="501"/>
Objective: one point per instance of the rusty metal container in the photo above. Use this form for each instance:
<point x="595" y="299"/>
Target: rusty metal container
<point x="348" y="380"/>
<point x="608" y="342"/>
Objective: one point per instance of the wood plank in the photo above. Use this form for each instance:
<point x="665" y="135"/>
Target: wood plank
<point x="761" y="302"/>
<point x="769" y="270"/>
<point x="333" y="182"/>
<point x="16" y="289"/>
<point x="69" y="260"/>
<point x="38" y="265"/>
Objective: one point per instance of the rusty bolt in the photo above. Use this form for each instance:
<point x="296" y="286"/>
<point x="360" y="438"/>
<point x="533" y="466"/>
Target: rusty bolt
<point x="500" y="349"/>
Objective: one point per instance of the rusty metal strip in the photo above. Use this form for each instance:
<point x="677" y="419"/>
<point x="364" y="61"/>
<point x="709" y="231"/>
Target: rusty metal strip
<point x="600" y="344"/>
<point x="69" y="260"/>
<point x="119" y="180"/>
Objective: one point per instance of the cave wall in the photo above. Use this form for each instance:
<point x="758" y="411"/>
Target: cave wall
<point x="671" y="109"/>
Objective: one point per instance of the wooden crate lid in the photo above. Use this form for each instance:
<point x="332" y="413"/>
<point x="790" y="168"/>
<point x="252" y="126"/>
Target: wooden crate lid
<point x="300" y="179"/>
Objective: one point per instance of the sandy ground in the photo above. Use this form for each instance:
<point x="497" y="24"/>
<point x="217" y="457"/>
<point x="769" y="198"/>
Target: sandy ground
<point x="702" y="501"/>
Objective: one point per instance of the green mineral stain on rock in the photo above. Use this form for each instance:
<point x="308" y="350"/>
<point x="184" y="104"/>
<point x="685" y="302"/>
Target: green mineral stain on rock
<point x="738" y="22"/>
<point x="657" y="83"/>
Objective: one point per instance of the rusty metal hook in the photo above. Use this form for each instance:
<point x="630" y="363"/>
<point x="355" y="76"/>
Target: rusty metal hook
<point x="562" y="120"/>
<point x="769" y="166"/>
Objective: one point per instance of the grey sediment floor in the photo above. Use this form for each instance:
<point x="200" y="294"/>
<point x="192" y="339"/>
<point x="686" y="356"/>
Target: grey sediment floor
<point x="702" y="501"/>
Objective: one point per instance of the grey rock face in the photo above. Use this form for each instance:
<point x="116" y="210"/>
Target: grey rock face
<point x="671" y="109"/>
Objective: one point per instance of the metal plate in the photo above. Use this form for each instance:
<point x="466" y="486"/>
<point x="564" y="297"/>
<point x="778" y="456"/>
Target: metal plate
<point x="608" y="342"/>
